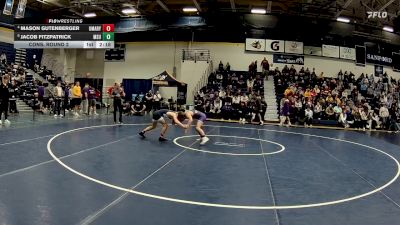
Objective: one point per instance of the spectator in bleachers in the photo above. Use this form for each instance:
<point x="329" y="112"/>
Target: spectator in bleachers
<point x="4" y="99"/>
<point x="228" y="67"/>
<point x="3" y="58"/>
<point x="250" y="84"/>
<point x="243" y="112"/>
<point x="362" y="103"/>
<point x="265" y="67"/>
<point x="220" y="66"/>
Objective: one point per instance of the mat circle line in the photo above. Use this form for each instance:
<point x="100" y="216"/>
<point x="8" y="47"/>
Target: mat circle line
<point x="228" y="153"/>
<point x="198" y="203"/>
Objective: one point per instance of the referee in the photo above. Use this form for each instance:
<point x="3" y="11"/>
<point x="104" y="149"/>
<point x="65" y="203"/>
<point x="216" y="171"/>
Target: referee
<point x="117" y="93"/>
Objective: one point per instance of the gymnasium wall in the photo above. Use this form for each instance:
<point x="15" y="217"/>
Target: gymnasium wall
<point x="6" y="35"/>
<point x="61" y="61"/>
<point x="240" y="60"/>
<point x="145" y="59"/>
<point x="89" y="61"/>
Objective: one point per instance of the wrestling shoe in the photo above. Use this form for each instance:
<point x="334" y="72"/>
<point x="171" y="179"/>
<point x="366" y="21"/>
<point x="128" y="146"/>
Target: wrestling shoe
<point x="162" y="139"/>
<point x="204" y="140"/>
<point x="141" y="133"/>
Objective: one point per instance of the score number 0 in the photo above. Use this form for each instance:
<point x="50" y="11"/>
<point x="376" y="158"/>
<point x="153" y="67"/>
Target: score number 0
<point x="108" y="27"/>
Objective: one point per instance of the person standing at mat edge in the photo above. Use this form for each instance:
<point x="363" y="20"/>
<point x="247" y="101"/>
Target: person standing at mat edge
<point x="201" y="118"/>
<point x="76" y="98"/>
<point x="4" y="98"/>
<point x="158" y="117"/>
<point x="117" y="93"/>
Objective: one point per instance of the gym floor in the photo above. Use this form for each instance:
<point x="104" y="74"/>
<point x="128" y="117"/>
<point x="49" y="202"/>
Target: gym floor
<point x="89" y="171"/>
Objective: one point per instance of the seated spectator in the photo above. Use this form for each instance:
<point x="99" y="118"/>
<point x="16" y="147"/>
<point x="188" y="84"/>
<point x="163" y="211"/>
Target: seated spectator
<point x="329" y="113"/>
<point x="236" y="101"/>
<point x="244" y="98"/>
<point x="137" y="107"/>
<point x="250" y="83"/>
<point x="343" y="119"/>
<point x="329" y="99"/>
<point x="374" y="121"/>
<point x="244" y="113"/>
<point x="337" y="110"/>
<point x="308" y="113"/>
<point x="318" y="111"/>
<point x="217" y="105"/>
<point x="227" y="111"/>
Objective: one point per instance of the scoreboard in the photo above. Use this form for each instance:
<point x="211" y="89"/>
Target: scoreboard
<point x="63" y="33"/>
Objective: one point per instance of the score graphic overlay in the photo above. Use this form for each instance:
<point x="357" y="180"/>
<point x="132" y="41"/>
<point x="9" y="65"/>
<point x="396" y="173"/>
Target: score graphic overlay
<point x="63" y="33"/>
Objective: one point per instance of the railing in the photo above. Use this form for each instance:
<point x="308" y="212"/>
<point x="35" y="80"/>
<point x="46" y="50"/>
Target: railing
<point x="204" y="78"/>
<point x="196" y="55"/>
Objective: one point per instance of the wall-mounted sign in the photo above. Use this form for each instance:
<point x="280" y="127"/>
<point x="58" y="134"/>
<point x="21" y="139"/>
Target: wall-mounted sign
<point x="347" y="53"/>
<point x="378" y="70"/>
<point x="330" y="51"/>
<point x="289" y="59"/>
<point x="379" y="58"/>
<point x="274" y="45"/>
<point x="311" y="50"/>
<point x="253" y="44"/>
<point x="294" y="47"/>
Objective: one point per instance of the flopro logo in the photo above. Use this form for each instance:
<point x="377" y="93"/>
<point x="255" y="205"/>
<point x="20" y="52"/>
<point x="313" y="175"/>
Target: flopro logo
<point x="380" y="15"/>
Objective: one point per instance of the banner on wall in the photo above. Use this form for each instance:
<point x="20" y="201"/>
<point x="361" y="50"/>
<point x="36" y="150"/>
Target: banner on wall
<point x="360" y="55"/>
<point x="289" y="59"/>
<point x="8" y="6"/>
<point x="20" y="13"/>
<point x="396" y="61"/>
<point x="253" y="44"/>
<point x="347" y="53"/>
<point x="294" y="47"/>
<point x="378" y="58"/>
<point x="378" y="70"/>
<point x="330" y="51"/>
<point x="274" y="45"/>
<point x="311" y="50"/>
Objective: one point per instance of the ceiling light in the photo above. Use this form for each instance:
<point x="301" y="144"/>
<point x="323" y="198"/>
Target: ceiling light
<point x="258" y="11"/>
<point x="343" y="19"/>
<point x="90" y="15"/>
<point x="388" y="29"/>
<point x="189" y="9"/>
<point x="129" y="11"/>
